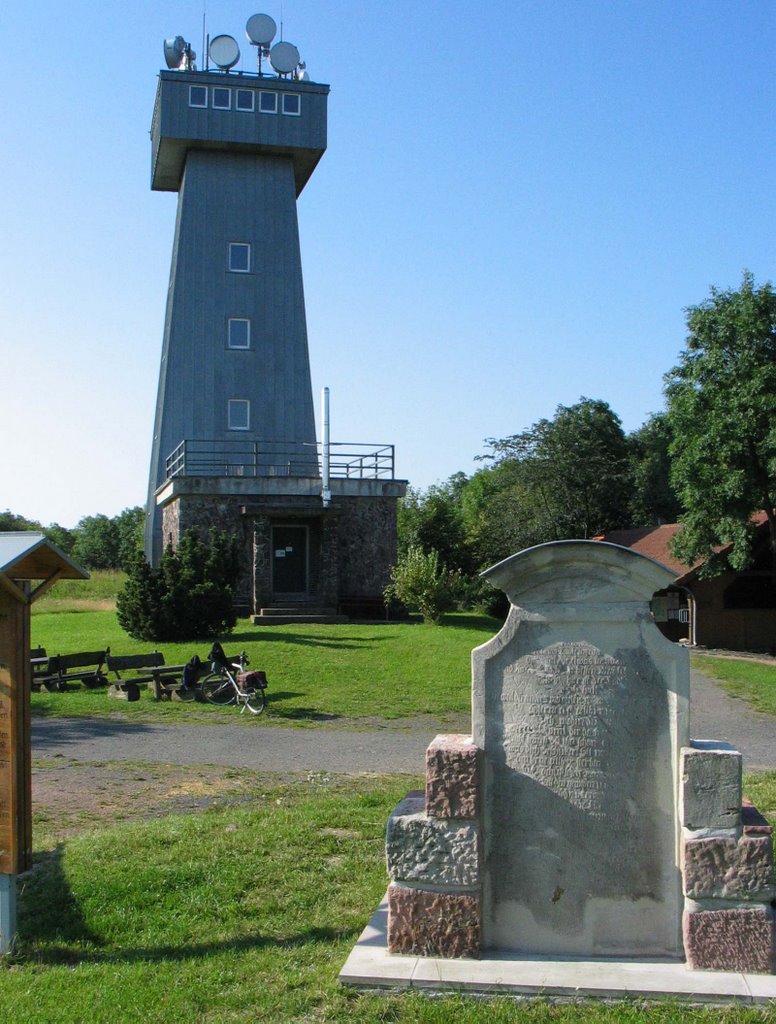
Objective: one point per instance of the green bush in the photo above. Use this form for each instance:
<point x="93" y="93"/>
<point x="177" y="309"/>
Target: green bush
<point x="420" y="581"/>
<point x="190" y="595"/>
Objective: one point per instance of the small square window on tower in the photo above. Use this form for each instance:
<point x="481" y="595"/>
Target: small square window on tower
<point x="268" y="102"/>
<point x="222" y="98"/>
<point x="238" y="332"/>
<point x="239" y="414"/>
<point x="240" y="257"/>
<point x="197" y="96"/>
<point x="243" y="99"/>
<point x="292" y="104"/>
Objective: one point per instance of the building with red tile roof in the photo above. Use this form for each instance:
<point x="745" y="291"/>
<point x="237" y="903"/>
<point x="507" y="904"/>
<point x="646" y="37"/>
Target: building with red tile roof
<point x="735" y="610"/>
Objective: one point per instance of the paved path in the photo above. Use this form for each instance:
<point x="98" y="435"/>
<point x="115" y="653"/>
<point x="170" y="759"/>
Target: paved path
<point x="714" y="715"/>
<point x="272" y="748"/>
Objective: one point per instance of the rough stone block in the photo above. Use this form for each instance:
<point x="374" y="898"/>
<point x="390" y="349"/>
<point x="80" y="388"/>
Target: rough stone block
<point x="739" y="939"/>
<point x="728" y="868"/>
<point x="711" y="786"/>
<point x="124" y="691"/>
<point x="423" y="923"/>
<point x="452" y="777"/>
<point x="431" y="850"/>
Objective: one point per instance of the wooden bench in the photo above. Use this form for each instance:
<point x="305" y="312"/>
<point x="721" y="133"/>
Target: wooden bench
<point x="85" y="667"/>
<point x="38" y="667"/>
<point x="163" y="680"/>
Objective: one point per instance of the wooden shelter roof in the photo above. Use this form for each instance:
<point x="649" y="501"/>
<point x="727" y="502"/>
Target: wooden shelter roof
<point x="25" y="555"/>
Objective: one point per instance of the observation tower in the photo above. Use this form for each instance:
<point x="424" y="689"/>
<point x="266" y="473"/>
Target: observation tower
<point x="234" y="441"/>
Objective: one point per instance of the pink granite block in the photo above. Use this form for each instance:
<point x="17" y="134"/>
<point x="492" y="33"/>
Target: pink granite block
<point x="452" y="777"/>
<point x="424" y="923"/>
<point x="729" y="868"/>
<point x="739" y="939"/>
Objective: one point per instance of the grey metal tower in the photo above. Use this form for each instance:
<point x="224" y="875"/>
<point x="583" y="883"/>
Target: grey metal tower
<point x="234" y="438"/>
<point x="238" y="149"/>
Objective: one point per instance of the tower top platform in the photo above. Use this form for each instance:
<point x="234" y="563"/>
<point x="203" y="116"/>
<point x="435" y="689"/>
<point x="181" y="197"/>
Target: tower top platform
<point x="236" y="113"/>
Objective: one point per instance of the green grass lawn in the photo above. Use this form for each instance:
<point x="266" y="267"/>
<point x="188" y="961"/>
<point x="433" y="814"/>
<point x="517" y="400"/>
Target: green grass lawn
<point x="98" y="593"/>
<point x="753" y="681"/>
<point x="242" y="912"/>
<point x="247" y="909"/>
<point x="315" y="672"/>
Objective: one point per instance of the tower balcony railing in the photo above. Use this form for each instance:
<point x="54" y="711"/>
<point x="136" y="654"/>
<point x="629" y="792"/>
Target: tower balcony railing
<point x="246" y="458"/>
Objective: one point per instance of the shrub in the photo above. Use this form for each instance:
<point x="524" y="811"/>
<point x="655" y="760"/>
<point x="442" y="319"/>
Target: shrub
<point x="190" y="595"/>
<point x="419" y="581"/>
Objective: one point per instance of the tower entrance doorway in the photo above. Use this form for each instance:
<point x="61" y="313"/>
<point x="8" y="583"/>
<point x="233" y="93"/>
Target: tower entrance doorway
<point x="290" y="561"/>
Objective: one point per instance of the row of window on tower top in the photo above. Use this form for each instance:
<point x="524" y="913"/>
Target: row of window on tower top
<point x="219" y="97"/>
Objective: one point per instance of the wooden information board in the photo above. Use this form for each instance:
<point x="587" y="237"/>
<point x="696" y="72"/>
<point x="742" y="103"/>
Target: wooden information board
<point x="15" y="755"/>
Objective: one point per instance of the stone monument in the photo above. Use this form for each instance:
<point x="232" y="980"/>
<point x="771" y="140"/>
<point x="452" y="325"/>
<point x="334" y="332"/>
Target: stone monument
<point x="578" y="821"/>
<point x="581" y="708"/>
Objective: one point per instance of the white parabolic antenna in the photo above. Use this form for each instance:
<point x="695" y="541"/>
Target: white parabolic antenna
<point x="174" y="50"/>
<point x="260" y="29"/>
<point x="284" y="57"/>
<point x="224" y="51"/>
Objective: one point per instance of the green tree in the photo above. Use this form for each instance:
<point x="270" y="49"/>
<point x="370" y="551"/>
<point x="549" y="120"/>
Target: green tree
<point x="61" y="536"/>
<point x="11" y="523"/>
<point x="129" y="525"/>
<point x="432" y="520"/>
<point x="569" y="477"/>
<point x="97" y="541"/>
<point x="722" y="412"/>
<point x="139" y="602"/>
<point x="419" y="580"/>
<point x="189" y="596"/>
<point x="653" y="498"/>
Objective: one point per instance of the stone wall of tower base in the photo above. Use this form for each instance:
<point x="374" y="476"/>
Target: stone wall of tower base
<point x="352" y="543"/>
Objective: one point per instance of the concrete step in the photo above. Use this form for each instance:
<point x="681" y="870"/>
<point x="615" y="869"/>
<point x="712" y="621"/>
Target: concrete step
<point x="287" y="619"/>
<point x="298" y="609"/>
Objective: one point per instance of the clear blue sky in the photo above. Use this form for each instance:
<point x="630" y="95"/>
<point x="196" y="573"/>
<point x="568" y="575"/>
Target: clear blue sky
<point x="517" y="202"/>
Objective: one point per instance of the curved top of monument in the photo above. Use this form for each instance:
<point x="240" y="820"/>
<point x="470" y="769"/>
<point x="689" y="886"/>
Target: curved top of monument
<point x="572" y="570"/>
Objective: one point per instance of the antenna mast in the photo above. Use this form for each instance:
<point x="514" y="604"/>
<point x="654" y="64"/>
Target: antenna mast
<point x="204" y="20"/>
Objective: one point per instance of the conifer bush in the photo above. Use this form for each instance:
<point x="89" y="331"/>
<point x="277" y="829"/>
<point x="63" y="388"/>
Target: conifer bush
<point x="189" y="596"/>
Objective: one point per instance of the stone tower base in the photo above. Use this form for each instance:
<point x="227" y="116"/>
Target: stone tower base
<point x="343" y="551"/>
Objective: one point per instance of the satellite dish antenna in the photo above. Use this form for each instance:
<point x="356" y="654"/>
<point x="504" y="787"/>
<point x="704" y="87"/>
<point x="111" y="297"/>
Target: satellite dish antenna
<point x="284" y="57"/>
<point x="224" y="52"/>
<point x="176" y="52"/>
<point x="260" y="30"/>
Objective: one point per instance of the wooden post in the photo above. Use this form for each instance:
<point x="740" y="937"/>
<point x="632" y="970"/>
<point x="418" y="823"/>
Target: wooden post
<point x="24" y="556"/>
<point x="15" y="757"/>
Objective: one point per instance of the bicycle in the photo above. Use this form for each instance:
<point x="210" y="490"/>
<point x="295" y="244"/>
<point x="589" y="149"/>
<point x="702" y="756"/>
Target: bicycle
<point x="228" y="682"/>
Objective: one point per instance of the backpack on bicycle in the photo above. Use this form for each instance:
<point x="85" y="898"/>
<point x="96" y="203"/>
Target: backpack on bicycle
<point x="217" y="657"/>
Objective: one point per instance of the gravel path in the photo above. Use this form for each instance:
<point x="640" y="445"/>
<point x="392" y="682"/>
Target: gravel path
<point x="399" y="748"/>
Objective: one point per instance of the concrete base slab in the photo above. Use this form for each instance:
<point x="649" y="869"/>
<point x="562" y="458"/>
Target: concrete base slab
<point x="370" y="967"/>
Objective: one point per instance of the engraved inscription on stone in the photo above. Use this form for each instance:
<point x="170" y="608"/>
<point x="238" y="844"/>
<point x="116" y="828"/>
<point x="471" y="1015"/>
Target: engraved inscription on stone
<point x="576" y="734"/>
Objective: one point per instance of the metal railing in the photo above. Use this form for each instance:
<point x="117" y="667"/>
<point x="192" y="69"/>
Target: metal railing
<point x="244" y="458"/>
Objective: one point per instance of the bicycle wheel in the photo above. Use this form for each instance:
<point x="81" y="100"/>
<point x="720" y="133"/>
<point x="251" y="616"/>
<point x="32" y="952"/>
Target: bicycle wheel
<point x="256" y="700"/>
<point x="217" y="688"/>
